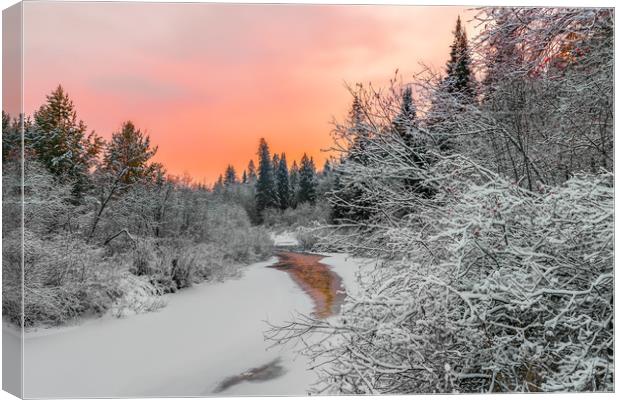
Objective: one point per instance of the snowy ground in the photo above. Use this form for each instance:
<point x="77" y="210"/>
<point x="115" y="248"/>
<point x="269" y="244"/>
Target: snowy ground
<point x="206" y="335"/>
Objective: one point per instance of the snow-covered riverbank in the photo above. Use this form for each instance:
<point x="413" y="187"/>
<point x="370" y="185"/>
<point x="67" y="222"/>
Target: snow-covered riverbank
<point x="206" y="335"/>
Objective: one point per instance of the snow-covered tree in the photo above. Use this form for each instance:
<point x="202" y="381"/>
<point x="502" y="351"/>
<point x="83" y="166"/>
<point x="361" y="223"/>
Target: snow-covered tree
<point x="307" y="180"/>
<point x="126" y="162"/>
<point x="11" y="137"/>
<point x="294" y="182"/>
<point x="128" y="154"/>
<point x="459" y="79"/>
<point x="252" y="176"/>
<point x="60" y="141"/>
<point x="230" y="176"/>
<point x="352" y="138"/>
<point x="266" y="195"/>
<point x="546" y="106"/>
<point x="283" y="183"/>
<point x="405" y="122"/>
<point x="276" y="162"/>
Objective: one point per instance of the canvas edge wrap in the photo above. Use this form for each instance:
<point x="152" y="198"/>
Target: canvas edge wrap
<point x="12" y="98"/>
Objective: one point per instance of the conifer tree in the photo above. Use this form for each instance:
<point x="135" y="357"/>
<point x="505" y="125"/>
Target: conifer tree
<point x="358" y="130"/>
<point x="459" y="84"/>
<point x="230" y="176"/>
<point x="218" y="186"/>
<point x="252" y="176"/>
<point x="11" y="138"/>
<point x="404" y="122"/>
<point x="128" y="153"/>
<point x="406" y="127"/>
<point x="283" y="184"/>
<point x="459" y="79"/>
<point x="276" y="164"/>
<point x="327" y="168"/>
<point x="125" y="163"/>
<point x="347" y="194"/>
<point x="60" y="141"/>
<point x="244" y="177"/>
<point x="266" y="196"/>
<point x="294" y="184"/>
<point x="276" y="160"/>
<point x="307" y="180"/>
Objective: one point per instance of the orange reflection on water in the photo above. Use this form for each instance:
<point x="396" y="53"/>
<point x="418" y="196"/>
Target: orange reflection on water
<point x="316" y="279"/>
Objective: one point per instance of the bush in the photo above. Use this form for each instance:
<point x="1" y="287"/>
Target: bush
<point x="63" y="280"/>
<point x="229" y="229"/>
<point x="490" y="288"/>
<point x="169" y="264"/>
<point x="307" y="238"/>
<point x="139" y="296"/>
<point x="151" y="239"/>
<point x="173" y="264"/>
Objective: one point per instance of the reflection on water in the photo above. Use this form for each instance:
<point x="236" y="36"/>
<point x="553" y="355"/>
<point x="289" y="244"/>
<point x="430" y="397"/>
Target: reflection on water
<point x="265" y="372"/>
<point x="316" y="279"/>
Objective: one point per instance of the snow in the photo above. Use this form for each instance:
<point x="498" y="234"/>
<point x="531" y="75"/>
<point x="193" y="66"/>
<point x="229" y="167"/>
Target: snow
<point x="204" y="335"/>
<point x="285" y="239"/>
<point x="348" y="268"/>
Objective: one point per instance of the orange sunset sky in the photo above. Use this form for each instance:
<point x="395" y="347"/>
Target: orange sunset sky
<point x="206" y="81"/>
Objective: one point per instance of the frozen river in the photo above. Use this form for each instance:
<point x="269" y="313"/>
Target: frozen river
<point x="208" y="340"/>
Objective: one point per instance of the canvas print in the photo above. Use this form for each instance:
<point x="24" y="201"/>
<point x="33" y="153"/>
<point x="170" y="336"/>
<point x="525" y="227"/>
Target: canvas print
<point x="205" y="199"/>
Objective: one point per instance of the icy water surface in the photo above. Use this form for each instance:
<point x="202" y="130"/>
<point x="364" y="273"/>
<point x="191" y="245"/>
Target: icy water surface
<point x="316" y="279"/>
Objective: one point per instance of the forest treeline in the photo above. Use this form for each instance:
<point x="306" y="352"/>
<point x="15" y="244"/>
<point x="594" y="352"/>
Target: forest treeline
<point x="274" y="194"/>
<point x="485" y="195"/>
<point x="104" y="227"/>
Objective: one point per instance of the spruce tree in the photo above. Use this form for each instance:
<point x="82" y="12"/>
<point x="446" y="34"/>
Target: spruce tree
<point x="327" y="168"/>
<point x="128" y="153"/>
<point x="11" y="138"/>
<point x="276" y="162"/>
<point x="218" y="186"/>
<point x="252" y="176"/>
<point x="283" y="184"/>
<point x="60" y="141"/>
<point x="359" y="132"/>
<point x="230" y="176"/>
<point x="347" y="196"/>
<point x="307" y="180"/>
<point x="459" y="84"/>
<point x="294" y="184"/>
<point x="266" y="196"/>
<point x="404" y="122"/>
<point x="459" y="79"/>
<point x="244" y="177"/>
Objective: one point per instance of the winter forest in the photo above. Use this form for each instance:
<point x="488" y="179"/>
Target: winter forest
<point x="476" y="199"/>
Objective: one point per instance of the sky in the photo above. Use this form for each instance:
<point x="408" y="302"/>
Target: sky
<point x="206" y="81"/>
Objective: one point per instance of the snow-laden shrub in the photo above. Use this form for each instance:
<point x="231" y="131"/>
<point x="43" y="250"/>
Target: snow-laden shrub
<point x="63" y="279"/>
<point x="139" y="296"/>
<point x="228" y="228"/>
<point x="176" y="263"/>
<point x="491" y="288"/>
<point x="308" y="238"/>
<point x="305" y="214"/>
